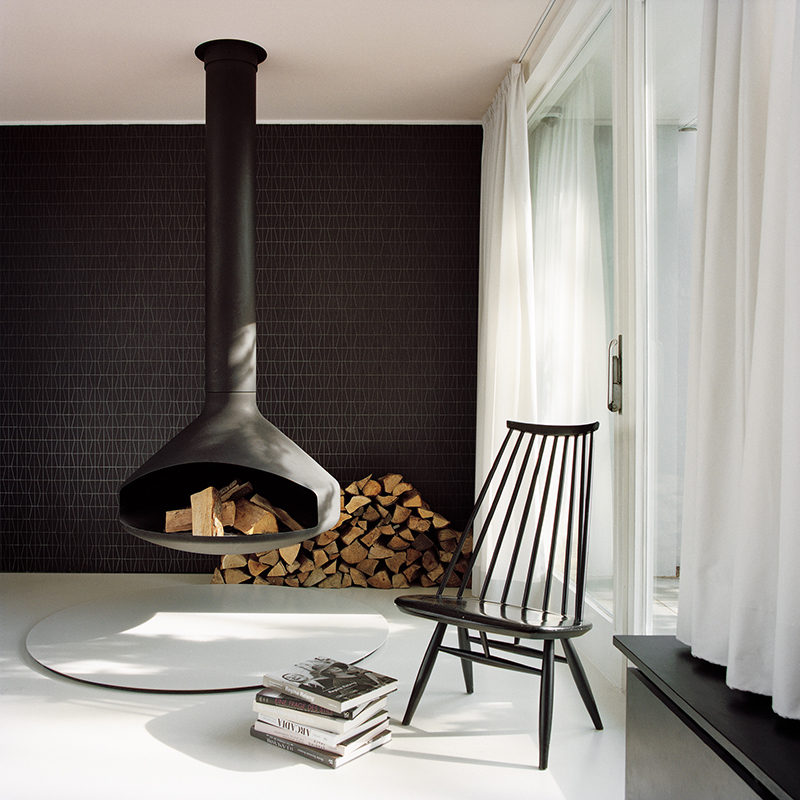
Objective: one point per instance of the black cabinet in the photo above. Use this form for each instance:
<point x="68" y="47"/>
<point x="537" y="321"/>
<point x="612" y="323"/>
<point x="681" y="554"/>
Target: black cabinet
<point x="688" y="735"/>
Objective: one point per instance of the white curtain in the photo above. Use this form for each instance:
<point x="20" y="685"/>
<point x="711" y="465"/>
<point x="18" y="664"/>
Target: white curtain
<point x="570" y="303"/>
<point x="506" y="384"/>
<point x="568" y="260"/>
<point x="739" y="605"/>
<point x="542" y="353"/>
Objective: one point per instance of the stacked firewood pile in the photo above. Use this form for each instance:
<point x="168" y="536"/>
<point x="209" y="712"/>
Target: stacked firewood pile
<point x="386" y="537"/>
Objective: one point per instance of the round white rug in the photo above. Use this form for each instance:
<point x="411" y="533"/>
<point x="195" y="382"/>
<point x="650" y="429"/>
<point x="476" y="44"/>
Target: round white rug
<point x="203" y="638"/>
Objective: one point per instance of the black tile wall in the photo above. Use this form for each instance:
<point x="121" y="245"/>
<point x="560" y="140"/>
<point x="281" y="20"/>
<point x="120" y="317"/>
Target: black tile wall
<point x="367" y="242"/>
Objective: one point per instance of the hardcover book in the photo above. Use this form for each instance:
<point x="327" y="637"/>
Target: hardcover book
<point x="338" y="744"/>
<point x="332" y="684"/>
<point x="268" y="704"/>
<point x="315" y="754"/>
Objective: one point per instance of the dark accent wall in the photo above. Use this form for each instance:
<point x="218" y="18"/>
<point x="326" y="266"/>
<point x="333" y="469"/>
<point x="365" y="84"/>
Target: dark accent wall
<point x="367" y="248"/>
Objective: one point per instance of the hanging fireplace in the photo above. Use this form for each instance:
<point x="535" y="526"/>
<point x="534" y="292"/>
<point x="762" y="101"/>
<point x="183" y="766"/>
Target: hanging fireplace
<point x="230" y="440"/>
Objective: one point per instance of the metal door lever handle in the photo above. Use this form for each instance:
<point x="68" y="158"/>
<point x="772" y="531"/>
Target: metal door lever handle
<point x="615" y="375"/>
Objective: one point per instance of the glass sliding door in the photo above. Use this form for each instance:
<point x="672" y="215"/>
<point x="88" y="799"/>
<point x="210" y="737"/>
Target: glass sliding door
<point x="570" y="150"/>
<point x="612" y="126"/>
<point x="672" y="78"/>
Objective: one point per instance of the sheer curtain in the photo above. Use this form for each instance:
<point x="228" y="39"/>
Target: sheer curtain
<point x="506" y="384"/>
<point x="739" y="606"/>
<point x="570" y="302"/>
<point x="542" y="352"/>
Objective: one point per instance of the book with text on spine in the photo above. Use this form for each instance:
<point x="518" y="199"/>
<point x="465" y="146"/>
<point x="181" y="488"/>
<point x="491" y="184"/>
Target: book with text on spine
<point x="339" y="744"/>
<point x="315" y="754"/>
<point x="322" y="719"/>
<point x="331" y="684"/>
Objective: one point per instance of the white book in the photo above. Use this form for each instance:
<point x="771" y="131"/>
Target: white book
<point x="321" y="756"/>
<point x="323" y="738"/>
<point x="265" y="706"/>
<point x="319" y="739"/>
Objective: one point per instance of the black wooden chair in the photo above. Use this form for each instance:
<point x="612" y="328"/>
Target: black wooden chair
<point x="531" y="517"/>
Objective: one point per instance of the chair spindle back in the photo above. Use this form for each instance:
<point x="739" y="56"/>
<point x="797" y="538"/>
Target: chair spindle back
<point x="532" y="519"/>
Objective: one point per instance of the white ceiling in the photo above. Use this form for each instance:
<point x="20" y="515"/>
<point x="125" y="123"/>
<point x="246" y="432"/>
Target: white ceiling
<point x="329" y="60"/>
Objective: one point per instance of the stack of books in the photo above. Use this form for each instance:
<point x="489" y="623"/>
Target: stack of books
<point x="324" y="710"/>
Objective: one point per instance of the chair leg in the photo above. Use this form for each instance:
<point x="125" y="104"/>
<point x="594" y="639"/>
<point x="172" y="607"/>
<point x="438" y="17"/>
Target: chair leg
<point x="424" y="671"/>
<point x="581" y="681"/>
<point x="546" y="701"/>
<point x="466" y="664"/>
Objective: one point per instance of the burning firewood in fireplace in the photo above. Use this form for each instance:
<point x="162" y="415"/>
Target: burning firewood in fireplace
<point x="234" y="507"/>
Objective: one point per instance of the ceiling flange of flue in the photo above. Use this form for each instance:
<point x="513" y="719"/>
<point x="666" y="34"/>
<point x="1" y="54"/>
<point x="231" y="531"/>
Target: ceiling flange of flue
<point x="230" y="440"/>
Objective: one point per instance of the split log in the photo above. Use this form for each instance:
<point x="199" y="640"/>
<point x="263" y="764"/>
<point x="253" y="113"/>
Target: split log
<point x="333" y="581"/>
<point x="325" y="538"/>
<point x="380" y="580"/>
<point x="400" y="515"/>
<point x="235" y="490"/>
<point x="359" y="501"/>
<point x="181" y="519"/>
<point x="289" y="554"/>
<point x="314" y="577"/>
<point x="252" y="518"/>
<point x="178" y="520"/>
<point x="371" y="488"/>
<point x="368" y="566"/>
<point x="390" y="481"/>
<point x="418" y="524"/>
<point x="233" y="560"/>
<point x="353" y="553"/>
<point x="270" y="558"/>
<point x="207" y="513"/>
<point x="410" y="498"/>
<point x="358" y="577"/>
<point x="235" y="576"/>
<point x="255" y="568"/>
<point x="290" y="522"/>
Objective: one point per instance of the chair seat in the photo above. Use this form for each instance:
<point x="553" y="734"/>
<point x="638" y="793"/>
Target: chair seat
<point x="492" y="617"/>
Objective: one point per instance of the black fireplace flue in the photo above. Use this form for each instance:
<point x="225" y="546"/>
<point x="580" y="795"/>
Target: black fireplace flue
<point x="230" y="440"/>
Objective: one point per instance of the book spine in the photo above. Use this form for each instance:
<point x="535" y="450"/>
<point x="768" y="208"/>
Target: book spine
<point x="332" y="725"/>
<point x="297" y="704"/>
<point x="303" y="694"/>
<point x="301" y="733"/>
<point x="296" y="747"/>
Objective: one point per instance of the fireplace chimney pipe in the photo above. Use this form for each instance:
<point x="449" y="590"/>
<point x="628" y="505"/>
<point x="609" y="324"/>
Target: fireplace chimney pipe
<point x="230" y="67"/>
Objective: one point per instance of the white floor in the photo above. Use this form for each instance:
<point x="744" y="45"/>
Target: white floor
<point x="664" y="607"/>
<point x="66" y="739"/>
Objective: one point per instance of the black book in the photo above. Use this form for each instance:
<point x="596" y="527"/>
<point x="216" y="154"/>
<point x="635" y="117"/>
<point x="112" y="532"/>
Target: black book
<point x="271" y="696"/>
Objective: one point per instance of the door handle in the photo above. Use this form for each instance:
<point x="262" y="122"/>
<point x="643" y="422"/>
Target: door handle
<point x="615" y="375"/>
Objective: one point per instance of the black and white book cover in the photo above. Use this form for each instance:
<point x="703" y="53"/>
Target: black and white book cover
<point x="331" y="684"/>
